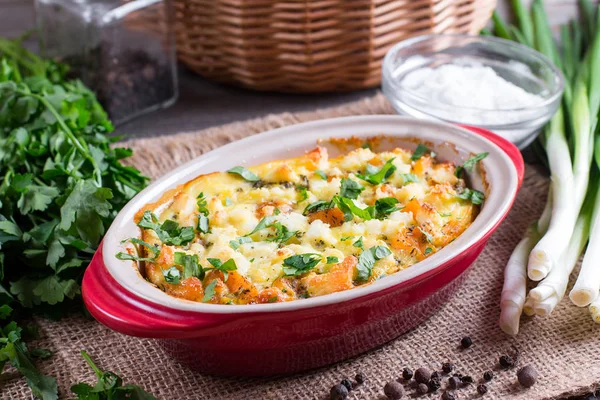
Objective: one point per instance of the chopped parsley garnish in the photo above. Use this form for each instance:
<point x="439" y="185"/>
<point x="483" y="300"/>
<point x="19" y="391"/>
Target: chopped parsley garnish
<point x="224" y="267"/>
<point x="272" y="300"/>
<point x="262" y="224"/>
<point x="367" y="259"/>
<point x="209" y="291"/>
<point x="302" y="193"/>
<point x="235" y="244"/>
<point x="130" y="257"/>
<point x="191" y="265"/>
<point x="350" y="189"/>
<point x="381" y="209"/>
<point x="444" y="215"/>
<point x="346" y="238"/>
<point x="419" y="152"/>
<point x="172" y="275"/>
<point x="322" y="174"/>
<point x="474" y="196"/>
<point x="428" y="250"/>
<point x="375" y="176"/>
<point x="385" y="206"/>
<point x="469" y="164"/>
<point x="244" y="173"/>
<point x="169" y="231"/>
<point x="203" y="214"/>
<point x="300" y="263"/>
<point x="318" y="206"/>
<point x="366" y="145"/>
<point x="359" y="243"/>
<point x="409" y="178"/>
<point x="332" y="260"/>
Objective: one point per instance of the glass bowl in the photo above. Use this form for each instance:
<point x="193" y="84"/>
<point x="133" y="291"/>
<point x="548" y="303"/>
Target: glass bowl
<point x="523" y="67"/>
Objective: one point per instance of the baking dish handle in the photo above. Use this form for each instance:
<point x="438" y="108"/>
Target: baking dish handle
<point x="122" y="311"/>
<point x="510" y="149"/>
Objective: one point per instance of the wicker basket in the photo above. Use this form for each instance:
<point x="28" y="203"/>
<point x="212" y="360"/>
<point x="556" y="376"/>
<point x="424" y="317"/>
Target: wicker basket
<point x="309" y="45"/>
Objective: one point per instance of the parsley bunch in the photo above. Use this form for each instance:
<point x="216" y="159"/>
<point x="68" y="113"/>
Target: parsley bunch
<point x="61" y="182"/>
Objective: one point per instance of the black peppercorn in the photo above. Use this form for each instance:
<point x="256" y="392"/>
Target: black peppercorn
<point x="360" y="378"/>
<point x="393" y="390"/>
<point x="407" y="374"/>
<point x="527" y="376"/>
<point x="506" y="362"/>
<point x="422" y="388"/>
<point x="347" y="383"/>
<point x="466" y="342"/>
<point x="466" y="379"/>
<point x="434" y="385"/>
<point x="482" y="389"/>
<point x="436" y="375"/>
<point x="422" y="375"/>
<point x="488" y="376"/>
<point x="447" y="367"/>
<point x="454" y="382"/>
<point x="449" y="396"/>
<point x="338" y="392"/>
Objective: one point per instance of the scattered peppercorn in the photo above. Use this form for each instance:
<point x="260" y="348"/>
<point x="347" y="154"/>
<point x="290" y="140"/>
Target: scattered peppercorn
<point x="360" y="378"/>
<point x="393" y="390"/>
<point x="347" y="383"/>
<point x="449" y="396"/>
<point x="488" y="376"/>
<point x="454" y="382"/>
<point x="466" y="379"/>
<point x="482" y="389"/>
<point x="407" y="374"/>
<point x="434" y="385"/>
<point x="466" y="342"/>
<point x="436" y="375"/>
<point x="527" y="376"/>
<point x="422" y="388"/>
<point x="506" y="362"/>
<point x="422" y="375"/>
<point x="338" y="392"/>
<point x="447" y="367"/>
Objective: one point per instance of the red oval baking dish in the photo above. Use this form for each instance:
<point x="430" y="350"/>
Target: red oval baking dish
<point x="283" y="338"/>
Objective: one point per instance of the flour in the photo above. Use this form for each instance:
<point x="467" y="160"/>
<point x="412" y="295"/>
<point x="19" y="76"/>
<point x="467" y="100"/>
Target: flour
<point x="469" y="90"/>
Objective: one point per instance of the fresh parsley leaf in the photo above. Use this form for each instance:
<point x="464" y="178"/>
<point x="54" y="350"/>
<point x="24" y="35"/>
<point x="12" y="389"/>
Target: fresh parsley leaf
<point x="172" y="275"/>
<point x="169" y="232"/>
<point x="470" y="163"/>
<point x="346" y="238"/>
<point x="203" y="224"/>
<point x="318" y="206"/>
<point x="301" y="263"/>
<point x="322" y="174"/>
<point x="191" y="265"/>
<point x="109" y="386"/>
<point x="236" y="243"/>
<point x="262" y="224"/>
<point x="428" y="250"/>
<point x="359" y="243"/>
<point x="332" y="260"/>
<point x="244" y="173"/>
<point x="153" y="248"/>
<point x="283" y="234"/>
<point x="409" y="178"/>
<point x="419" y="152"/>
<point x="366" y="145"/>
<point x="474" y="196"/>
<point x="350" y="209"/>
<point x="272" y="299"/>
<point x="350" y="189"/>
<point x="224" y="267"/>
<point x="385" y="206"/>
<point x="302" y="193"/>
<point x="202" y="204"/>
<point x="209" y="291"/>
<point x="444" y="215"/>
<point x="367" y="259"/>
<point x="376" y="176"/>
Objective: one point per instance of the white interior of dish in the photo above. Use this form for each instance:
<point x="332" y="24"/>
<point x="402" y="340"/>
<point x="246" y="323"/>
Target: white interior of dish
<point x="452" y="143"/>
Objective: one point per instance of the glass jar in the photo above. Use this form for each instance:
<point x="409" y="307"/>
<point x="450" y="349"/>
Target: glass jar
<point x="124" y="51"/>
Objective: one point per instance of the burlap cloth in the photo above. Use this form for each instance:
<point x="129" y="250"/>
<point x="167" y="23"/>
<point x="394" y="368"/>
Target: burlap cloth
<point x="564" y="347"/>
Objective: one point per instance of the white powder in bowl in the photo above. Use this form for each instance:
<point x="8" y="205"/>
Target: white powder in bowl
<point x="476" y="87"/>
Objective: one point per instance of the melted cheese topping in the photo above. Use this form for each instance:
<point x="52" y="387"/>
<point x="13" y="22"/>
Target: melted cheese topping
<point x="427" y="215"/>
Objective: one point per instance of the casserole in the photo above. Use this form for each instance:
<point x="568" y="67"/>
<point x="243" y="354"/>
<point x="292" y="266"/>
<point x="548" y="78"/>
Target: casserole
<point x="267" y="339"/>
